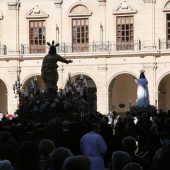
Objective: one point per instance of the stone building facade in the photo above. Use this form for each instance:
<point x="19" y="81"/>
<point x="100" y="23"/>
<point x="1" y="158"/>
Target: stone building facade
<point x="109" y="41"/>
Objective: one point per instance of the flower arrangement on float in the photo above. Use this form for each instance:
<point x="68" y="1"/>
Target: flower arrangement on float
<point x="34" y="105"/>
<point x="151" y="110"/>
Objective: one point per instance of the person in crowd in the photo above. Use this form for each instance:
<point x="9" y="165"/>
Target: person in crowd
<point x="143" y="133"/>
<point x="7" y="150"/>
<point x="142" y="90"/>
<point x="79" y="162"/>
<point x="41" y="134"/>
<point x="132" y="166"/>
<point x="79" y="128"/>
<point x="5" y="165"/>
<point x="29" y="135"/>
<point x="153" y="142"/>
<point x="27" y="157"/>
<point x="119" y="160"/>
<point x="67" y="139"/>
<point x="94" y="147"/>
<point x="107" y="134"/>
<point x="46" y="146"/>
<point x="57" y="157"/>
<point x="130" y="127"/>
<point x="161" y="159"/>
<point x="51" y="129"/>
<point x="129" y="145"/>
<point x="119" y="133"/>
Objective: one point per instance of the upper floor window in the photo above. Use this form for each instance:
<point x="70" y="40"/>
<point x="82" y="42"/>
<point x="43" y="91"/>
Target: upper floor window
<point x="80" y="35"/>
<point x="37" y="36"/>
<point x="124" y="33"/>
<point x="168" y="30"/>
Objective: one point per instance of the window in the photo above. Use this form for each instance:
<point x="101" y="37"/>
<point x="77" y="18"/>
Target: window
<point x="124" y="35"/>
<point x="168" y="30"/>
<point x="80" y="35"/>
<point x="37" y="36"/>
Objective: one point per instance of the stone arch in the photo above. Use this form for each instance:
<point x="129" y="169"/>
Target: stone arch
<point x="79" y="9"/>
<point x="89" y="91"/>
<point x="162" y="100"/>
<point x="121" y="93"/>
<point x="119" y="73"/>
<point x="166" y="6"/>
<point x="31" y="76"/>
<point x="161" y="75"/>
<point x="83" y="73"/>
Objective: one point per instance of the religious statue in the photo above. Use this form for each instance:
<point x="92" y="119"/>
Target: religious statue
<point x="49" y="72"/>
<point x="142" y="90"/>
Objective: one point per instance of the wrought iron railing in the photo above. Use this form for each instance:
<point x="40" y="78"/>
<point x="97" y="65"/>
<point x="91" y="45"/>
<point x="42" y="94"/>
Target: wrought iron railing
<point x="95" y="46"/>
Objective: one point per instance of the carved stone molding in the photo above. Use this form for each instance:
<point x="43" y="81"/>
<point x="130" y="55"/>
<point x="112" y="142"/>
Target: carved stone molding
<point x="102" y="2"/>
<point x="166" y="7"/>
<point x="58" y="3"/>
<point x="79" y="9"/>
<point x="14" y="5"/>
<point x="101" y="68"/>
<point x="149" y="1"/>
<point x="36" y="12"/>
<point x="124" y="8"/>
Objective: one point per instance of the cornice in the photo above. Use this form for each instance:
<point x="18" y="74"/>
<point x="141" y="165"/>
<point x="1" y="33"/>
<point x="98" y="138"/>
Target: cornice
<point x="156" y="53"/>
<point x="14" y="5"/>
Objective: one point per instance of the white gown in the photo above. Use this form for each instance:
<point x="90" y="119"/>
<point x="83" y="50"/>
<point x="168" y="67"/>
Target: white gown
<point x="142" y="92"/>
<point x="94" y="147"/>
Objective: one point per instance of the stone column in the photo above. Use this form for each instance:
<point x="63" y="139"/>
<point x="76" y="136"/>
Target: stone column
<point x="58" y="5"/>
<point x="11" y="96"/>
<point x="102" y="93"/>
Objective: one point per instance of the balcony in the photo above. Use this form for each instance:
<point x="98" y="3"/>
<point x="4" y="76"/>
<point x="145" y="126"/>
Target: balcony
<point x="95" y="46"/>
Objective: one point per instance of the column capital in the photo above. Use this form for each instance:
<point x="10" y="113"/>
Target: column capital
<point x="102" y="2"/>
<point x="58" y="3"/>
<point x="14" y="5"/>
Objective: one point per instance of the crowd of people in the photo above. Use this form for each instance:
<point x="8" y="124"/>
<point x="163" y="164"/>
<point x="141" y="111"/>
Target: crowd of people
<point x="87" y="143"/>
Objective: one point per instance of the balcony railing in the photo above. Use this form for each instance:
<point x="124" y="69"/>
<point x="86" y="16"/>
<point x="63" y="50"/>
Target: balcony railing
<point x="95" y="46"/>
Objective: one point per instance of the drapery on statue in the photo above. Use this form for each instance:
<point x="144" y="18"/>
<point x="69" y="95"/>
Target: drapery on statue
<point x="142" y="90"/>
<point x="49" y="72"/>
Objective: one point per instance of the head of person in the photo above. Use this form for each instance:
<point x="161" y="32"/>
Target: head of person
<point x="5" y="136"/>
<point x="58" y="156"/>
<point x="66" y="124"/>
<point x="129" y="144"/>
<point x="28" y="156"/>
<point x="46" y="146"/>
<point x="5" y="165"/>
<point x="142" y="75"/>
<point x="78" y="162"/>
<point x="165" y="153"/>
<point x="132" y="166"/>
<point x="41" y="133"/>
<point x="120" y="159"/>
<point x="96" y="127"/>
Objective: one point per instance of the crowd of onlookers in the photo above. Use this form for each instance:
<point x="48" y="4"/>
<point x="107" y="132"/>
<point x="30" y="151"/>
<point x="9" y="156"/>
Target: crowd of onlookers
<point x="77" y="145"/>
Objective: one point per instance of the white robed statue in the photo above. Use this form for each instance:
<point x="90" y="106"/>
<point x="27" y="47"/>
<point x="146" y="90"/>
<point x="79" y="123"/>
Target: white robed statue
<point x="142" y="90"/>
